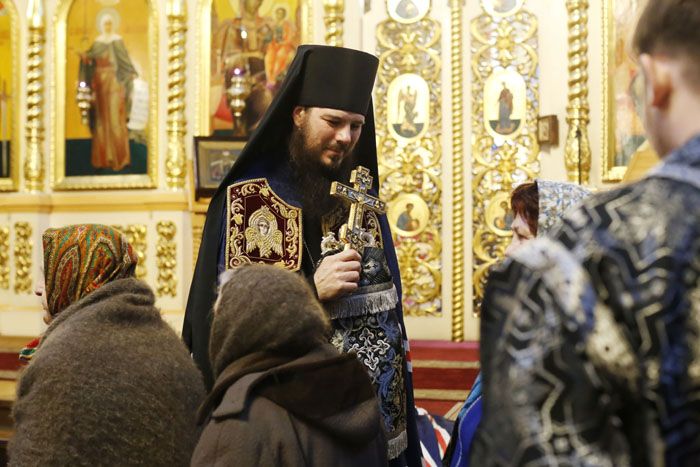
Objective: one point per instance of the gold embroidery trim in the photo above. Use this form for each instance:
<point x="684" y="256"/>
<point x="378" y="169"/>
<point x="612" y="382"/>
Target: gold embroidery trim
<point x="241" y="240"/>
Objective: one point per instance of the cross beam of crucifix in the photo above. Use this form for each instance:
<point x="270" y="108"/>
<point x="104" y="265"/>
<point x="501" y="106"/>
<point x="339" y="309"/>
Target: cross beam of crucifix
<point x="361" y="180"/>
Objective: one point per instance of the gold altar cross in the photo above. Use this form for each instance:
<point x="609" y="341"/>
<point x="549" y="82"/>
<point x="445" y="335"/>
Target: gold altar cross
<point x="361" y="180"/>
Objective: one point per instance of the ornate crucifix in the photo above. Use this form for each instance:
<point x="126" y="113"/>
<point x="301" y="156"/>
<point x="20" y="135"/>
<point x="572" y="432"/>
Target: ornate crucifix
<point x="361" y="180"/>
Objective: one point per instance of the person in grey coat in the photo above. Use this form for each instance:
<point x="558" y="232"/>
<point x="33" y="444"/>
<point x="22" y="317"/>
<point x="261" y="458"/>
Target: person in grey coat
<point x="283" y="395"/>
<point x="110" y="384"/>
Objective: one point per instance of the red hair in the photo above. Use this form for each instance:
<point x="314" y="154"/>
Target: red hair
<point x="525" y="200"/>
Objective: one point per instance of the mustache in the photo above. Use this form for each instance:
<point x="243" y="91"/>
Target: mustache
<point x="340" y="147"/>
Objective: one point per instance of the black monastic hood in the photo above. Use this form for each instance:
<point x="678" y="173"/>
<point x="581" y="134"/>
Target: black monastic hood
<point x="348" y="77"/>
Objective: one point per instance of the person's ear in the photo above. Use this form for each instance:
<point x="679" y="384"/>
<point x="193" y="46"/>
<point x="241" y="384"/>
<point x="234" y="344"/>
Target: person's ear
<point x="657" y="80"/>
<point x="298" y="115"/>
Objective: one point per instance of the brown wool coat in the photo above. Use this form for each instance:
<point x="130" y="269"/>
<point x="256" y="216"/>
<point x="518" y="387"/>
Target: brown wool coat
<point x="110" y="385"/>
<point x="316" y="410"/>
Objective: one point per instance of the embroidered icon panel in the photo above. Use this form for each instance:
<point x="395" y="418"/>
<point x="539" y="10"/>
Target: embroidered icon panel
<point x="261" y="227"/>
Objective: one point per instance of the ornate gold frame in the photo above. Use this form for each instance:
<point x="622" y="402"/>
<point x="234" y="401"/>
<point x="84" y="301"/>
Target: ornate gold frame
<point x="58" y="95"/>
<point x="202" y="127"/>
<point x="611" y="172"/>
<point x="11" y="183"/>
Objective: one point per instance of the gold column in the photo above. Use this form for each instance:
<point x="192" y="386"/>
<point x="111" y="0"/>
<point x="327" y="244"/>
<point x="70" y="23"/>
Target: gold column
<point x="23" y="257"/>
<point x="333" y="19"/>
<point x="34" y="162"/>
<point x="175" y="162"/>
<point x="456" y="7"/>
<point x="4" y="258"/>
<point x="166" y="258"/>
<point x="578" y="150"/>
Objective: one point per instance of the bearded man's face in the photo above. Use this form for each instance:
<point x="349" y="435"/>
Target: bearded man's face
<point x="330" y="135"/>
<point x="322" y="148"/>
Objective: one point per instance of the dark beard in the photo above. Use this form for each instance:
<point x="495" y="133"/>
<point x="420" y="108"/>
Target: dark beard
<point x="314" y="179"/>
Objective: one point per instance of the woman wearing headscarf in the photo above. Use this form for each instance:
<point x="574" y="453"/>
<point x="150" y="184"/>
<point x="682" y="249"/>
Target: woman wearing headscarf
<point x="537" y="207"/>
<point x="110" y="382"/>
<point x="283" y="395"/>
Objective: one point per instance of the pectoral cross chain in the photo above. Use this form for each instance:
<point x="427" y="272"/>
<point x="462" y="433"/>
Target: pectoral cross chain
<point x="361" y="180"/>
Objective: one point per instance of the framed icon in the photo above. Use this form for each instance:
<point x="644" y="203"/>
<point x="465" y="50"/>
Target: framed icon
<point x="505" y="104"/>
<point x="245" y="45"/>
<point x="407" y="11"/>
<point x="9" y="97"/>
<point x="105" y="121"/>
<point x="502" y="7"/>
<point x="623" y="91"/>
<point x="213" y="158"/>
<point x="548" y="130"/>
<point x="409" y="215"/>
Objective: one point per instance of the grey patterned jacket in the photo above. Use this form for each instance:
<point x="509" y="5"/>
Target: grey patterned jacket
<point x="591" y="335"/>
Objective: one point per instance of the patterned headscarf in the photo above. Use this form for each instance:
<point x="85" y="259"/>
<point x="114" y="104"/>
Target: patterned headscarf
<point x="81" y="258"/>
<point x="555" y="198"/>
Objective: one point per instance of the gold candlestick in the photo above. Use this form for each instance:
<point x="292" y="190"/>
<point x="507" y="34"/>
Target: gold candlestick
<point x="236" y="94"/>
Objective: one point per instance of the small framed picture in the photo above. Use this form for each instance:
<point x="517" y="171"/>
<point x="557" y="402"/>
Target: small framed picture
<point x="213" y="158"/>
<point x="548" y="130"/>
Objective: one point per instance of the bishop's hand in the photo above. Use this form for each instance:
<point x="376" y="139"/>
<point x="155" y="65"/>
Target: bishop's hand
<point x="337" y="275"/>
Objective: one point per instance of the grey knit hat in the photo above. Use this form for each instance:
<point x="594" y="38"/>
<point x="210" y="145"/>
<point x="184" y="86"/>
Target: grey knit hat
<point x="264" y="308"/>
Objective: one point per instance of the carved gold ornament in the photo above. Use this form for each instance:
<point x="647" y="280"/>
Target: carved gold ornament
<point x="23" y="257"/>
<point x="409" y="129"/>
<point x="505" y="107"/>
<point x="136" y="236"/>
<point x="166" y="259"/>
<point x="4" y="258"/>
